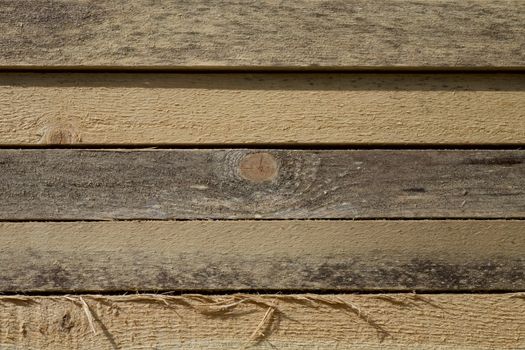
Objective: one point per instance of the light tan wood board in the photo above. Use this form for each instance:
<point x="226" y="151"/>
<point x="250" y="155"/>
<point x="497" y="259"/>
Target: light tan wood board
<point x="349" y="109"/>
<point x="253" y="33"/>
<point x="260" y="255"/>
<point x="303" y="321"/>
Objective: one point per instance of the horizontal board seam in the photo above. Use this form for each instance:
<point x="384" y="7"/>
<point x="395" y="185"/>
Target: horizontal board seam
<point x="401" y="218"/>
<point x="260" y="69"/>
<point x="136" y="147"/>
<point x="263" y="292"/>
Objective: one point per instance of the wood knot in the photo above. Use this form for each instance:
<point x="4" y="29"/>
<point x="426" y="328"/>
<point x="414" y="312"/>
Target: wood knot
<point x="60" y="135"/>
<point x="258" y="167"/>
<point x="66" y="323"/>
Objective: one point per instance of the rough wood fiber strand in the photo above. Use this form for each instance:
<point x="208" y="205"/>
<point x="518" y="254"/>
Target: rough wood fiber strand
<point x="299" y="321"/>
<point x="300" y="33"/>
<point x="261" y="108"/>
<point x="438" y="255"/>
<point x="75" y="184"/>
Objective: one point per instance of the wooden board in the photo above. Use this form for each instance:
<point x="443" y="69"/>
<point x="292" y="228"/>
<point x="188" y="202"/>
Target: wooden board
<point x="300" y="33"/>
<point x="376" y="255"/>
<point x="262" y="108"/>
<point x="299" y="321"/>
<point x="74" y="184"/>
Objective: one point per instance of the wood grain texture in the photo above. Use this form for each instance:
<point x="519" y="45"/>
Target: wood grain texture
<point x="299" y="321"/>
<point x="300" y="33"/>
<point x="75" y="184"/>
<point x="262" y="108"/>
<point x="280" y="255"/>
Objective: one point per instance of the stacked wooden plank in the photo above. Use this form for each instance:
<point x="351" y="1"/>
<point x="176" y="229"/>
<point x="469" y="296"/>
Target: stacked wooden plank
<point x="309" y="174"/>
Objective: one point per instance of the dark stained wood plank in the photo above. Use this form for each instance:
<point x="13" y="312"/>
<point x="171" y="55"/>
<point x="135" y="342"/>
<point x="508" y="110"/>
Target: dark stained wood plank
<point x="75" y="184"/>
<point x="430" y="255"/>
<point x="253" y="33"/>
<point x="262" y="108"/>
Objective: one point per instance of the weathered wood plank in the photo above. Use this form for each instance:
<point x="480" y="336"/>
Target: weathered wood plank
<point x="262" y="108"/>
<point x="298" y="321"/>
<point x="301" y="33"/>
<point x="341" y="255"/>
<point x="74" y="184"/>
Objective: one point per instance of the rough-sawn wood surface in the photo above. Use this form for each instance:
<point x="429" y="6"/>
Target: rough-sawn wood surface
<point x="75" y="184"/>
<point x="253" y="33"/>
<point x="282" y="255"/>
<point x="298" y="321"/>
<point x="363" y="109"/>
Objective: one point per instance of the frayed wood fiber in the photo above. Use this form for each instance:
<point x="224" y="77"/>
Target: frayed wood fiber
<point x="239" y="321"/>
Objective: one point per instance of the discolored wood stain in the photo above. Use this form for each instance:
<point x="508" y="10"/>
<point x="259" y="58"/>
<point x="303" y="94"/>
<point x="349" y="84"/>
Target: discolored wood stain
<point x="56" y="272"/>
<point x="440" y="255"/>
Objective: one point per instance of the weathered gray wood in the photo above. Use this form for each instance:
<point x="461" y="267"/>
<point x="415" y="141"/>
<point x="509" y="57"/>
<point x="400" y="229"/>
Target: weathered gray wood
<point x="72" y="184"/>
<point x="436" y="255"/>
<point x="253" y="33"/>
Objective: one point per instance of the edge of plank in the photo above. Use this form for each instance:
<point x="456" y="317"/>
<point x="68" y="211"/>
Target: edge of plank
<point x="207" y="69"/>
